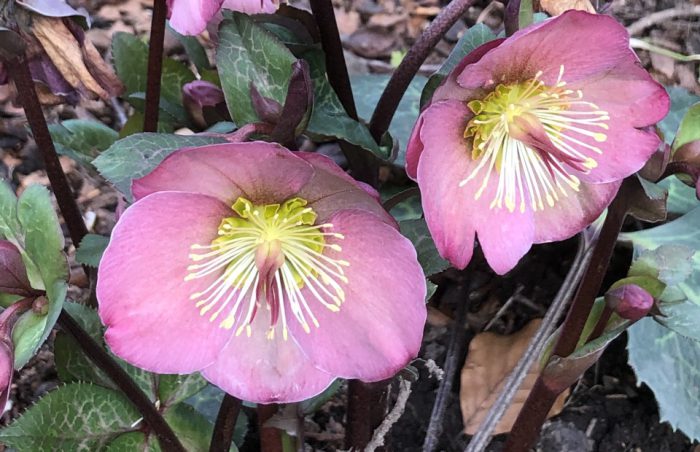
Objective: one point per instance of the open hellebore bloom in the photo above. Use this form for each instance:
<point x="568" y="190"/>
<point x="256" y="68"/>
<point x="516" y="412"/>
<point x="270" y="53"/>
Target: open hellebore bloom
<point x="190" y="17"/>
<point x="528" y="139"/>
<point x="270" y="272"/>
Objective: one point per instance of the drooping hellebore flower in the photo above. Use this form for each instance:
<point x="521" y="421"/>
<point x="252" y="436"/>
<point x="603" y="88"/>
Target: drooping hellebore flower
<point x="529" y="137"/>
<point x="190" y="17"/>
<point x="270" y="272"/>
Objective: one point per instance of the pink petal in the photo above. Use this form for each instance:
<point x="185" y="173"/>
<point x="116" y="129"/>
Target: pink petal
<point x="262" y="172"/>
<point x="379" y="326"/>
<point x="452" y="212"/>
<point x="585" y="44"/>
<point x="324" y="163"/>
<point x="260" y="370"/>
<point x="251" y="6"/>
<point x="414" y="149"/>
<point x="190" y="17"/>
<point x="143" y="298"/>
<point x="330" y="189"/>
<point x="571" y="214"/>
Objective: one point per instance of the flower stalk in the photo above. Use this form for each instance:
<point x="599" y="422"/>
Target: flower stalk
<point x="533" y="414"/>
<point x="18" y="69"/>
<point x="225" y="423"/>
<point x="398" y="84"/>
<point x="155" y="66"/>
<point x="99" y="356"/>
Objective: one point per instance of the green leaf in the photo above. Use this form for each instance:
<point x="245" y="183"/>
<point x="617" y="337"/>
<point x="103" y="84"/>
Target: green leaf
<point x="43" y="247"/>
<point x="428" y="257"/>
<point x="680" y="304"/>
<point x="681" y="101"/>
<point x="668" y="363"/>
<point x="73" y="365"/>
<point x="131" y="63"/>
<point x="328" y="117"/>
<point x="369" y="87"/>
<point x="72" y="417"/>
<point x="688" y="130"/>
<point x="130" y="56"/>
<point x="681" y="198"/>
<point x="195" y="51"/>
<point x="207" y="402"/>
<point x="408" y="209"/>
<point x="471" y="39"/>
<point x="9" y="224"/>
<point x="133" y="441"/>
<point x="191" y="427"/>
<point x="134" y="125"/>
<point x="525" y="16"/>
<point x="81" y="139"/>
<point x="137" y="155"/>
<point x="91" y="248"/>
<point x="248" y="53"/>
<point x="174" y="389"/>
<point x="310" y="406"/>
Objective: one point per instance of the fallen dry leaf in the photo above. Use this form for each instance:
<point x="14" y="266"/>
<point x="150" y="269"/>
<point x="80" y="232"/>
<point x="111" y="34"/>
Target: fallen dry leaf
<point x="490" y="360"/>
<point x="556" y="7"/>
<point x="81" y="65"/>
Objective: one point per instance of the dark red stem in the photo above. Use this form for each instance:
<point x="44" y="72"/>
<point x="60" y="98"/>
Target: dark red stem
<point x="681" y="168"/>
<point x="145" y="406"/>
<point x="533" y="414"/>
<point x="367" y="403"/>
<point x="511" y="17"/>
<point x="225" y="424"/>
<point x="335" y="60"/>
<point x="270" y="437"/>
<point x="395" y="89"/>
<point x="18" y="69"/>
<point x="155" y="66"/>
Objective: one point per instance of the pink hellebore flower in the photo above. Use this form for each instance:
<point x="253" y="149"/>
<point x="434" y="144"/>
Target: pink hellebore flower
<point x="190" y="17"/>
<point x="528" y="139"/>
<point x="270" y="272"/>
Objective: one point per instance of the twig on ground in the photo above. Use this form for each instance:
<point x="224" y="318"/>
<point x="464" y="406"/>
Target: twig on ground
<point x="455" y="350"/>
<point x="661" y="16"/>
<point x="391" y="418"/>
<point x="483" y="434"/>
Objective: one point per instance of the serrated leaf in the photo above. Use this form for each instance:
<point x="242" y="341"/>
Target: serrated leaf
<point x="471" y="39"/>
<point x="133" y="441"/>
<point x="668" y="363"/>
<point x="207" y="402"/>
<point x="328" y="117"/>
<point x="681" y="100"/>
<point x="248" y="53"/>
<point x="173" y="389"/>
<point x="90" y="250"/>
<point x="73" y="365"/>
<point x="43" y="246"/>
<point x="681" y="316"/>
<point x="428" y="257"/>
<point x="194" y="50"/>
<point x="681" y="198"/>
<point x="131" y="63"/>
<point x="137" y="155"/>
<point x="72" y="417"/>
<point x="369" y="87"/>
<point x="81" y="139"/>
<point x="191" y="427"/>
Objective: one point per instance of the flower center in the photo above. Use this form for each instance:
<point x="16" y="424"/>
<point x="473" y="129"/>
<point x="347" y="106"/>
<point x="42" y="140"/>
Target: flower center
<point x="266" y="255"/>
<point x="533" y="136"/>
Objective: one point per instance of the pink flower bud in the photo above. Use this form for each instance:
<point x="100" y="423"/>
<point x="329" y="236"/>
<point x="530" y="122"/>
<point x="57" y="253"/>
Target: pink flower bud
<point x="630" y="301"/>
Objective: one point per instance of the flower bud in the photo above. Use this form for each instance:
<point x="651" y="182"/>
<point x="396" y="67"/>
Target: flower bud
<point x="8" y="318"/>
<point x="205" y="103"/>
<point x="629" y="301"/>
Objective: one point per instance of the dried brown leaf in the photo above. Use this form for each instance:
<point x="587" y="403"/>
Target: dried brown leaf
<point x="556" y="7"/>
<point x="490" y="360"/>
<point x="81" y="66"/>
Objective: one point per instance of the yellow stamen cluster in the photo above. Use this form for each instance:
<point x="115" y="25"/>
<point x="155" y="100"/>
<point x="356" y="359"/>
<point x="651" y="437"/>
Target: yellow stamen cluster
<point x="263" y="257"/>
<point x="528" y="174"/>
